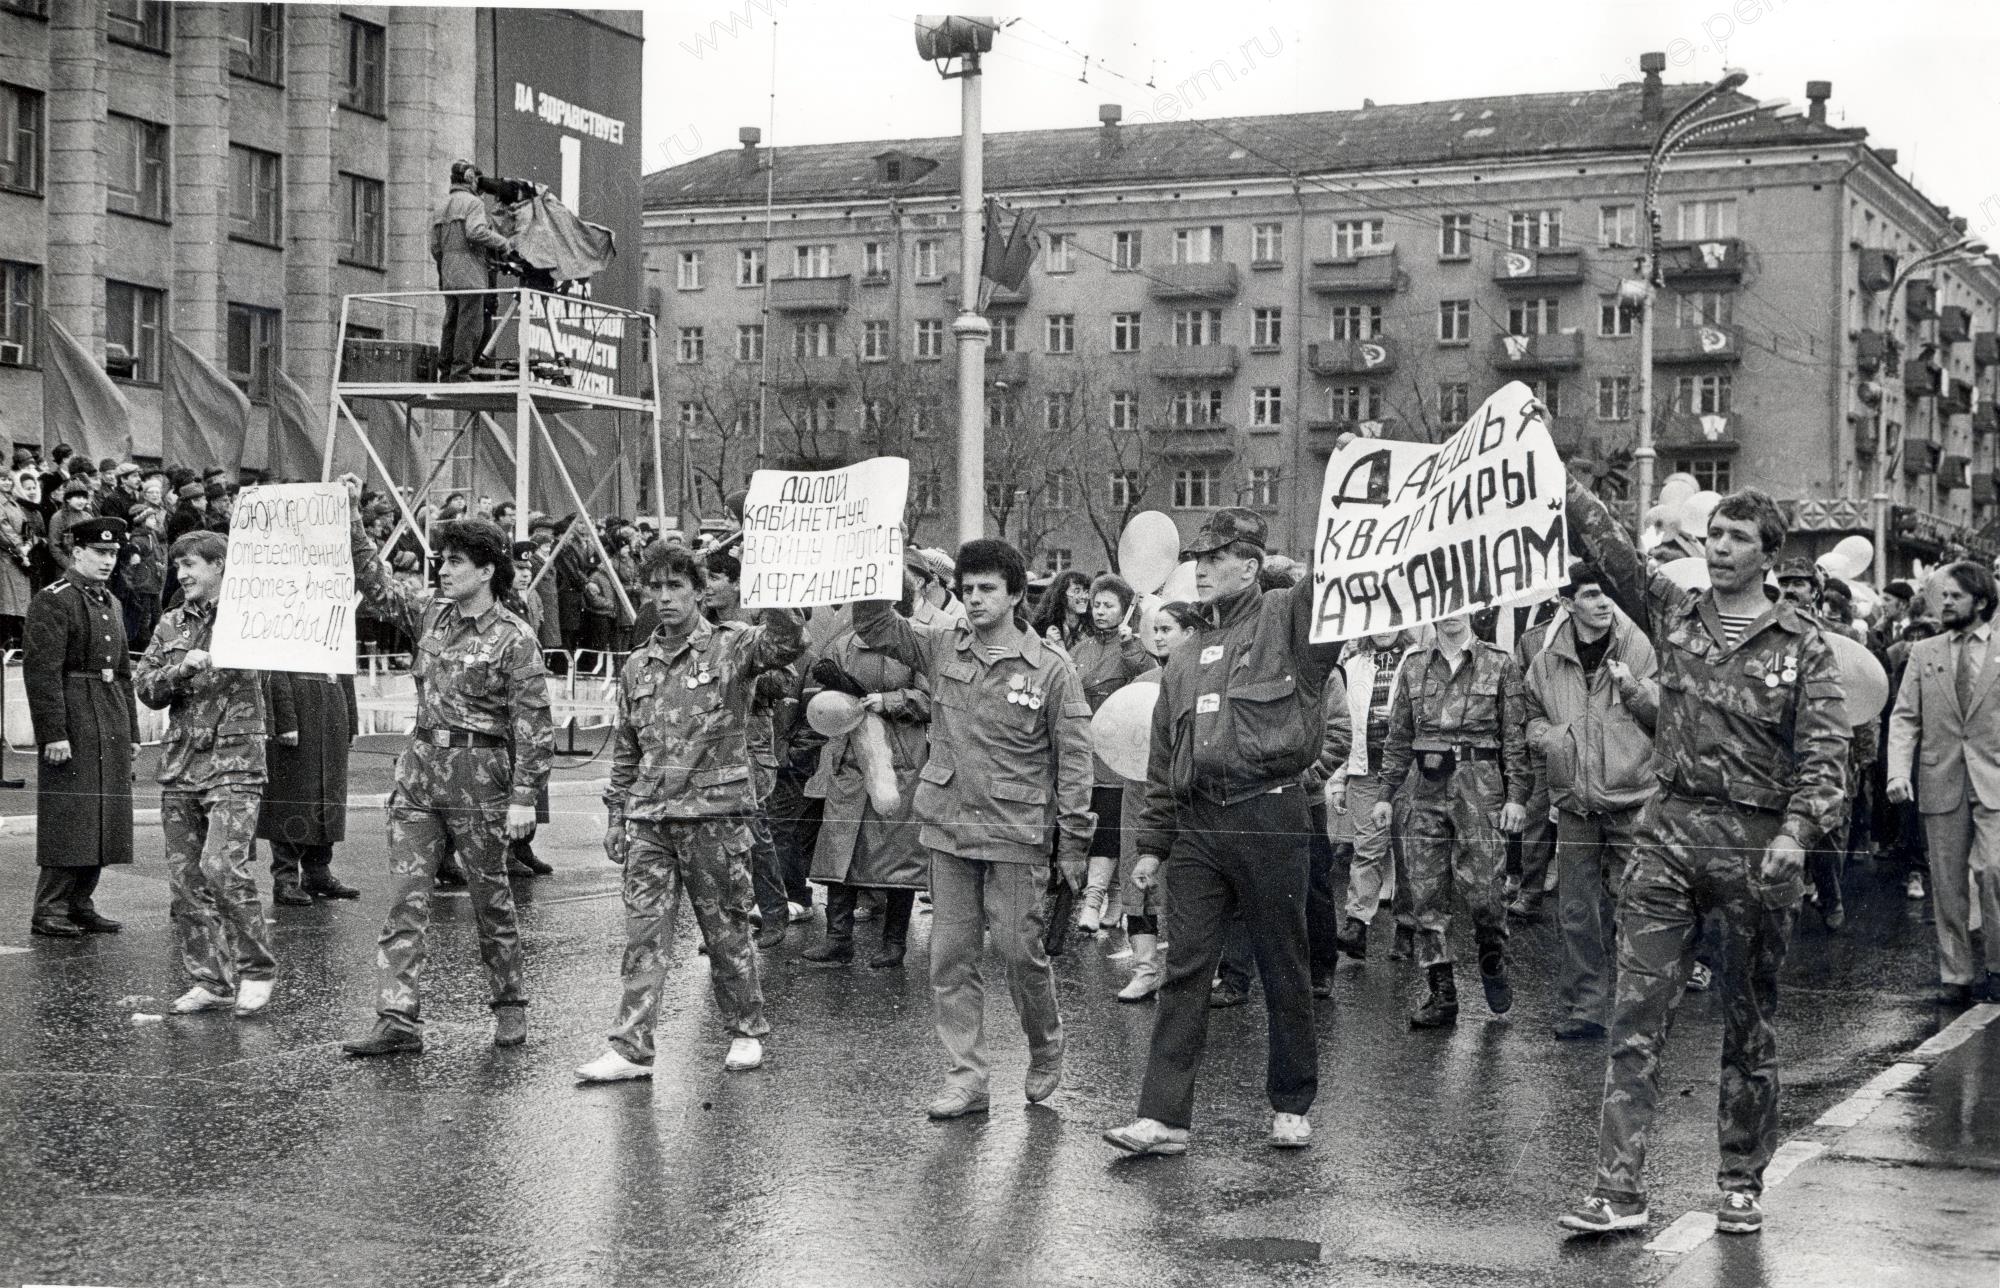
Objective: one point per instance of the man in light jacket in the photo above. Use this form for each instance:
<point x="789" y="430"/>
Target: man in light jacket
<point x="1591" y="703"/>
<point x="461" y="239"/>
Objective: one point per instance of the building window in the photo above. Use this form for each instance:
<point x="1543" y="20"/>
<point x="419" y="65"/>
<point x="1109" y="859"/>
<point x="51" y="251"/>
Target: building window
<point x="1059" y="490"/>
<point x="1263" y="487"/>
<point x="1533" y="317"/>
<point x="1705" y="308"/>
<point x="875" y="261"/>
<point x="1354" y="322"/>
<point x="1454" y="321"/>
<point x="20" y="139"/>
<point x="875" y="341"/>
<point x="1124" y="409"/>
<point x="1058" y="411"/>
<point x="138" y="22"/>
<point x="363" y="238"/>
<point x="690" y="416"/>
<point x="1267" y="406"/>
<point x="135" y="177"/>
<point x="822" y="415"/>
<point x="1713" y="217"/>
<point x="1534" y="229"/>
<point x="750" y="266"/>
<point x="132" y="317"/>
<point x="1122" y="489"/>
<point x="1617" y="226"/>
<point x="256" y="196"/>
<point x="1707" y="395"/>
<point x="1195" y="408"/>
<point x="1455" y="237"/>
<point x="924" y="416"/>
<point x="687" y="271"/>
<point x="33" y="8"/>
<point x="750" y="342"/>
<point x="930" y="338"/>
<point x="1059" y="559"/>
<point x="692" y="347"/>
<point x="361" y="66"/>
<point x="1454" y="403"/>
<point x="1352" y="236"/>
<point x="1003" y="335"/>
<point x="1003" y="413"/>
<point x="257" y="42"/>
<point x="1613" y="318"/>
<point x="872" y="416"/>
<point x="1198" y="245"/>
<point x="1061" y="253"/>
<point x="1548" y="392"/>
<point x="254" y="337"/>
<point x="1267" y="243"/>
<point x="1195" y="488"/>
<point x="1267" y="328"/>
<point x="813" y="261"/>
<point x="1614" y="397"/>
<point x="812" y="340"/>
<point x="926" y="259"/>
<point x="1711" y="473"/>
<point x="749" y="421"/>
<point x="1354" y="402"/>
<point x="1062" y="333"/>
<point x="1194" y="327"/>
<point x="20" y="298"/>
<point x="1125" y="250"/>
<point x="1124" y="332"/>
<point x="927" y="492"/>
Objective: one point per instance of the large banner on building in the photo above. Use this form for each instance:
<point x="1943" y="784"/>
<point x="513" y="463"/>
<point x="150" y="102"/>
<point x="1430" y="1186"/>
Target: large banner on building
<point x="816" y="538"/>
<point x="1410" y="533"/>
<point x="288" y="592"/>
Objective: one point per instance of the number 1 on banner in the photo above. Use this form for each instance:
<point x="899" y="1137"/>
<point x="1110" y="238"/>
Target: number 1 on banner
<point x="571" y="148"/>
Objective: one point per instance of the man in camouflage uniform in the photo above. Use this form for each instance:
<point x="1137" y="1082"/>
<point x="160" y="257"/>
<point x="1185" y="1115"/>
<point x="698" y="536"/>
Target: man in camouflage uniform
<point x="212" y="778"/>
<point x="1752" y="753"/>
<point x="681" y="797"/>
<point x="467" y="782"/>
<point x="1461" y="715"/>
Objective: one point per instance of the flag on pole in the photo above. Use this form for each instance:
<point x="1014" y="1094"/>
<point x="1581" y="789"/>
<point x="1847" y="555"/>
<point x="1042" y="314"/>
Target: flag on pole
<point x="297" y="438"/>
<point x="80" y="405"/>
<point x="205" y="419"/>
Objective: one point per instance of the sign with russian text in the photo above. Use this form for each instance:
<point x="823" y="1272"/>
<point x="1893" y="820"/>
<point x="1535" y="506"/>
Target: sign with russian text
<point x="1410" y="533"/>
<point x="817" y="538"/>
<point x="288" y="595"/>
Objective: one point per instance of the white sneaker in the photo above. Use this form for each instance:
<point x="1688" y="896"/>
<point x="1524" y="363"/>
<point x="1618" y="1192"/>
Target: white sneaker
<point x="252" y="995"/>
<point x="744" y="1053"/>
<point x="1290" y="1131"/>
<point x="612" y="1067"/>
<point x="798" y="912"/>
<point x="1700" y="978"/>
<point x="1148" y="1136"/>
<point x="200" y="999"/>
<point x="1914" y="887"/>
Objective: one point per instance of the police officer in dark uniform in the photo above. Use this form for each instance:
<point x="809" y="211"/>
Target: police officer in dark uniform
<point x="79" y="681"/>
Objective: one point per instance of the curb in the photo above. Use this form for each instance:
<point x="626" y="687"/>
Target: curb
<point x="24" y="825"/>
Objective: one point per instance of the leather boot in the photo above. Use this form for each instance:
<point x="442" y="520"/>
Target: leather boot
<point x="837" y="947"/>
<point x="1441" y="1007"/>
<point x="523" y="853"/>
<point x="1145" y="979"/>
<point x="320" y="881"/>
<point x="1493" y="978"/>
<point x="1404" y="946"/>
<point x="895" y="929"/>
<point x="288" y="892"/>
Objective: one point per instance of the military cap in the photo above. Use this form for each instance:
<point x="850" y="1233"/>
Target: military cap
<point x="1222" y="528"/>
<point x="524" y="549"/>
<point x="1797" y="568"/>
<point x="99" y="532"/>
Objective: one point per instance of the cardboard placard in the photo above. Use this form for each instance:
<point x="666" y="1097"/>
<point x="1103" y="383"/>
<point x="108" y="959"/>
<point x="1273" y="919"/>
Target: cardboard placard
<point x="288" y="594"/>
<point x="816" y="538"/>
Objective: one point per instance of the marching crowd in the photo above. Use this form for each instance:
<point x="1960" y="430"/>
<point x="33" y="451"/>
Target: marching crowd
<point x="1678" y="770"/>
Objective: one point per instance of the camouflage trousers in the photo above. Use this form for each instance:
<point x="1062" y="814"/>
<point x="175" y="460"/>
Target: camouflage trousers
<point x="217" y="914"/>
<point x="1697" y="858"/>
<point x="448" y="800"/>
<point x="705" y="858"/>
<point x="1452" y="843"/>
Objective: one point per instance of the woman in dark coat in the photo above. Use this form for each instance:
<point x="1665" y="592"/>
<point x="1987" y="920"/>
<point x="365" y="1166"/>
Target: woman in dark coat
<point x="305" y="802"/>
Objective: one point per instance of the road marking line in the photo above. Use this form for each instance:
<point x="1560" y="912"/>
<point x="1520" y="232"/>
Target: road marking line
<point x="1869" y="1097"/>
<point x="1788" y="1158"/>
<point x="1685" y="1235"/>
<point x="10" y="948"/>
<point x="1957" y="1032"/>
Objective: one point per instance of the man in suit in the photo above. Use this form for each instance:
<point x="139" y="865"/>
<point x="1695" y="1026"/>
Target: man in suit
<point x="1946" y="723"/>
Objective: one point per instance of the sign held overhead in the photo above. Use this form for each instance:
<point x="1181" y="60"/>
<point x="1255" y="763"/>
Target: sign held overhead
<point x="817" y="538"/>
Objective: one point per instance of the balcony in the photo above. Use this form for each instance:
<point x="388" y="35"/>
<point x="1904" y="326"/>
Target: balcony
<point x="1193" y="282"/>
<point x="1205" y="441"/>
<point x="1875" y="270"/>
<point x="1703" y="343"/>
<point x="1983" y="490"/>
<point x="1375" y="357"/>
<point x="1954" y="324"/>
<point x="1956" y="399"/>
<point x="1194" y="361"/>
<point x="1920" y="457"/>
<point x="997" y="296"/>
<point x="1986" y="418"/>
<point x="1542" y="266"/>
<point x="811" y="294"/>
<point x="1561" y="351"/>
<point x="1695" y="430"/>
<point x="1716" y="259"/>
<point x="1920" y="300"/>
<point x="1986" y="349"/>
<point x="1012" y="368"/>
<point x="1322" y="431"/>
<point x="1871" y="349"/>
<point x="1371" y="274"/>
<point x="1921" y="379"/>
<point x="812" y="373"/>
<point x="1954" y="473"/>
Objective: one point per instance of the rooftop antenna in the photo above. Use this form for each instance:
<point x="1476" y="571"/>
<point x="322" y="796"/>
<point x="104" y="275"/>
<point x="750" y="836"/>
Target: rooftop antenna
<point x="1084" y="77"/>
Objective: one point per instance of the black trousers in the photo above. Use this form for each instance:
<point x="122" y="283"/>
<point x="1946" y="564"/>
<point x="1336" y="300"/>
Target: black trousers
<point x="61" y="893"/>
<point x="1326" y="875"/>
<point x="466" y="318"/>
<point x="795" y="822"/>
<point x="1250" y="859"/>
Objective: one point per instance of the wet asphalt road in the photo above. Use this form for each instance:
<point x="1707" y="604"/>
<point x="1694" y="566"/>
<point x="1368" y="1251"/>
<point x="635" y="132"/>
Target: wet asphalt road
<point x="206" y="1150"/>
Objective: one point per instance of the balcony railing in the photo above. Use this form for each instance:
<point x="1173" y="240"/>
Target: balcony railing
<point x="1328" y="428"/>
<point x="1954" y="324"/>
<point x="811" y="373"/>
<point x="1871" y="350"/>
<point x="1986" y="418"/>
<point x="1685" y="429"/>
<point x="1710" y="259"/>
<point x="1875" y="270"/>
<point x="997" y="296"/>
<point x="1541" y="266"/>
<point x="1014" y="368"/>
<point x="1704" y="343"/>
<point x="1195" y="361"/>
<point x="811" y="294"/>
<point x="1193" y="282"/>
<point x="1920" y="300"/>
<point x="1956" y="400"/>
<point x="1376" y="357"/>
<point x="1538" y="352"/>
<point x="1920" y="456"/>
<point x="1986" y="349"/>
<point x="1211" y="438"/>
<point x="1374" y="273"/>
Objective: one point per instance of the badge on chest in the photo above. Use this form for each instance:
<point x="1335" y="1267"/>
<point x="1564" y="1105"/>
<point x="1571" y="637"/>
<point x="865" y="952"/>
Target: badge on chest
<point x="1023" y="694"/>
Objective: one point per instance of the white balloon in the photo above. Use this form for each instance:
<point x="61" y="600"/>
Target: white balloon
<point x="1677" y="489"/>
<point x="1122" y="729"/>
<point x="1864" y="685"/>
<point x="1688" y="574"/>
<point x="1850" y="558"/>
<point x="1148" y="550"/>
<point x="1695" y="512"/>
<point x="1179" y="587"/>
<point x="833" y="713"/>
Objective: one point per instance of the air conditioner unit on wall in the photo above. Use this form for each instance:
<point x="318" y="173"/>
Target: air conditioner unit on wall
<point x="13" y="353"/>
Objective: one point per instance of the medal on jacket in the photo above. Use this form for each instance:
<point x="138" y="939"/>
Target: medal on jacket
<point x="1035" y="698"/>
<point x="1017" y="690"/>
<point x="701" y="677"/>
<point x="1791" y="668"/>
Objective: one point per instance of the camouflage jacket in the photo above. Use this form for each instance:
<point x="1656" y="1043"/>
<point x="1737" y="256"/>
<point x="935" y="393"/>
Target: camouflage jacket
<point x="1758" y="725"/>
<point x="681" y="740"/>
<point x="479" y="675"/>
<point x="216" y="718"/>
<point x="1483" y="704"/>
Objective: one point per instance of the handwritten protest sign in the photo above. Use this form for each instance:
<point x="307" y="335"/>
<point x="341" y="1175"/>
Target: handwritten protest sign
<point x="288" y="591"/>
<point x="816" y="538"/>
<point x="1410" y="533"/>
